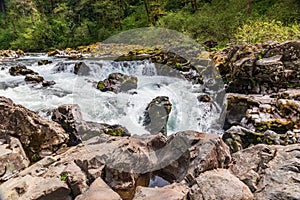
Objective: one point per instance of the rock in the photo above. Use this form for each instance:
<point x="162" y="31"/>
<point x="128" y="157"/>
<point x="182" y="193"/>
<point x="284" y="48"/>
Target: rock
<point x="48" y="83"/>
<point x="81" y="68"/>
<point x="117" y="82"/>
<point x="33" y="78"/>
<point x="31" y="188"/>
<point x="272" y="172"/>
<point x="269" y="119"/>
<point x="176" y="191"/>
<point x="219" y="184"/>
<point x="67" y="115"/>
<point x="99" y="190"/>
<point x="75" y="178"/>
<point x="261" y="68"/>
<point x="204" y="98"/>
<point x="70" y="117"/>
<point x="156" y="115"/>
<point x="189" y="153"/>
<point x="36" y="134"/>
<point x="44" y="62"/>
<point x="20" y="70"/>
<point x="12" y="157"/>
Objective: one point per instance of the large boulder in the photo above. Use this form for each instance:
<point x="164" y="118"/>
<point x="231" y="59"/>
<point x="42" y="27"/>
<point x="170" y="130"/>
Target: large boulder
<point x="39" y="137"/>
<point x="117" y="82"/>
<point x="271" y="172"/>
<point x="156" y="115"/>
<point x="219" y="184"/>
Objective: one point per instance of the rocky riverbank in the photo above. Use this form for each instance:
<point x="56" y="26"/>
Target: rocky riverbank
<point x="257" y="157"/>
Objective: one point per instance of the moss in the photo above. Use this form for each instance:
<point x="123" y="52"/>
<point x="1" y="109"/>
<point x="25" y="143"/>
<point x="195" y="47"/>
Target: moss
<point x="64" y="176"/>
<point x="101" y="85"/>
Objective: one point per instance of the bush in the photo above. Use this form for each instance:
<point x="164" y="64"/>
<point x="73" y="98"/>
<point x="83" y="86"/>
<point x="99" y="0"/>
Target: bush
<point x="255" y="31"/>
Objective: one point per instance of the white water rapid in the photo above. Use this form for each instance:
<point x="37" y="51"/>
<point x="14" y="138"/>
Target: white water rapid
<point x="123" y="108"/>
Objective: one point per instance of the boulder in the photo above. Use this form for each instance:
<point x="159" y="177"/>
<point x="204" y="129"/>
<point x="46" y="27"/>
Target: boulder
<point x="176" y="191"/>
<point x="32" y="188"/>
<point x="34" y="78"/>
<point x="271" y="172"/>
<point x="189" y="153"/>
<point x="20" y="70"/>
<point x="39" y="137"/>
<point x="48" y="83"/>
<point x="12" y="157"/>
<point x="82" y="69"/>
<point x="44" y="62"/>
<point x="219" y="184"/>
<point x="156" y="115"/>
<point x="70" y="118"/>
<point x="117" y="82"/>
<point x="67" y="115"/>
<point x="99" y="190"/>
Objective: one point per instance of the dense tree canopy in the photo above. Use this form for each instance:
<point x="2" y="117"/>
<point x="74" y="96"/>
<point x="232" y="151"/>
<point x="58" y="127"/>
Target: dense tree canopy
<point x="39" y="25"/>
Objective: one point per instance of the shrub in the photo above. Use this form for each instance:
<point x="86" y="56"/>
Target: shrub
<point x="255" y="31"/>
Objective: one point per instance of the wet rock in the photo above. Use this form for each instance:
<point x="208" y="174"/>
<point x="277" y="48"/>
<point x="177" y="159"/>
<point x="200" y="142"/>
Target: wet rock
<point x="156" y="115"/>
<point x="20" y="70"/>
<point x="81" y="68"/>
<point x="117" y="82"/>
<point x="48" y="83"/>
<point x="99" y="190"/>
<point x="12" y="157"/>
<point x="36" y="134"/>
<point x="204" y="98"/>
<point x="44" y="62"/>
<point x="219" y="184"/>
<point x="70" y="118"/>
<point x="271" y="172"/>
<point x="33" y="78"/>
<point x="176" y="191"/>
<point x="31" y="188"/>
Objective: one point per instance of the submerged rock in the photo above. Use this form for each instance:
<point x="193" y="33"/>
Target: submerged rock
<point x="117" y="82"/>
<point x="37" y="135"/>
<point x="48" y="83"/>
<point x="156" y="115"/>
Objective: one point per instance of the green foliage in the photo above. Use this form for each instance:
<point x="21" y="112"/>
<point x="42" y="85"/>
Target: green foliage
<point x="64" y="176"/>
<point x="261" y="30"/>
<point x="39" y="25"/>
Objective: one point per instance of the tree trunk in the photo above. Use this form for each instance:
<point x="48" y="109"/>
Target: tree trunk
<point x="248" y="8"/>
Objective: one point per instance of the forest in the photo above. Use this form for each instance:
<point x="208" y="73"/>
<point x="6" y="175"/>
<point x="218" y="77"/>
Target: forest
<point x="36" y="25"/>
